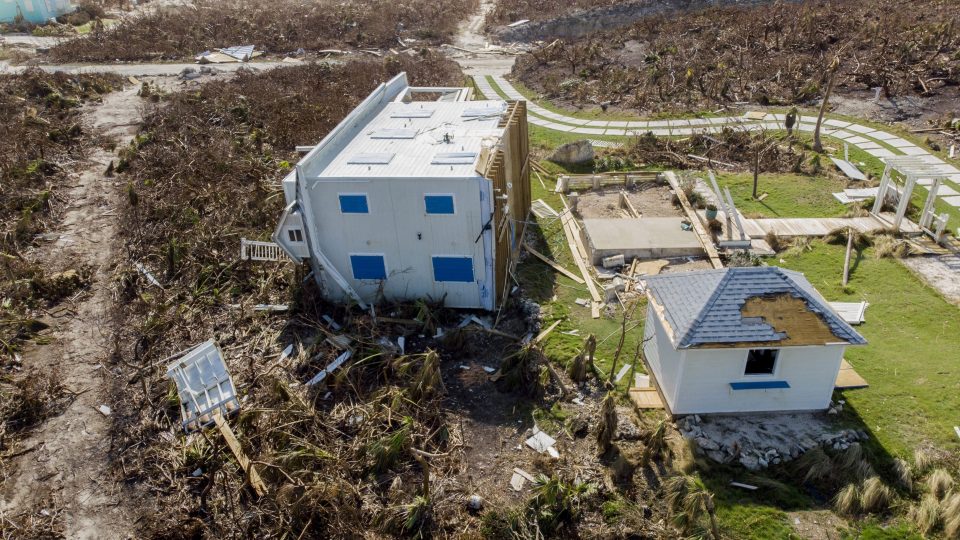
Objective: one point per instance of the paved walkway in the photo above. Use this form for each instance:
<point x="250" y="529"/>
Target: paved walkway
<point x="875" y="142"/>
<point x="139" y="70"/>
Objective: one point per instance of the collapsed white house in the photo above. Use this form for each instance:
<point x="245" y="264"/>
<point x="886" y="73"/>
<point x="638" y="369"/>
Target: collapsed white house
<point x="417" y="193"/>
<point x="736" y="340"/>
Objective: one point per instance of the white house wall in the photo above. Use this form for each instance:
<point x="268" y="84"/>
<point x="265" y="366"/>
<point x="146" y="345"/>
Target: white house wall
<point x="707" y="374"/>
<point x="663" y="359"/>
<point x="396" y="217"/>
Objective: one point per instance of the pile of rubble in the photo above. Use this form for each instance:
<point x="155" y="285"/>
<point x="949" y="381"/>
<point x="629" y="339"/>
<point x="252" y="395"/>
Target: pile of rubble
<point x="759" y="441"/>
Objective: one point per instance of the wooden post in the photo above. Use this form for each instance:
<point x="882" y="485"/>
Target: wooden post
<point x="252" y="475"/>
<point x="846" y="260"/>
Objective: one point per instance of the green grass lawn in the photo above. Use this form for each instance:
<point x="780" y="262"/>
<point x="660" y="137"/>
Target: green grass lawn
<point x="789" y="195"/>
<point x="912" y="361"/>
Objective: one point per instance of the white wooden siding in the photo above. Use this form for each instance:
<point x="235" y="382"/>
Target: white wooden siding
<point x="707" y="373"/>
<point x="397" y="215"/>
<point x="664" y="360"/>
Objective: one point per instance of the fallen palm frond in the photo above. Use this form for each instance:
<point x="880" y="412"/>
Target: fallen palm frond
<point x="690" y="502"/>
<point x="656" y="444"/>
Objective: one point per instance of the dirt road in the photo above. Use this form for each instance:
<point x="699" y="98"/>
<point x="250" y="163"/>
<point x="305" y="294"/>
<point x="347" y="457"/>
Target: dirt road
<point x="67" y="471"/>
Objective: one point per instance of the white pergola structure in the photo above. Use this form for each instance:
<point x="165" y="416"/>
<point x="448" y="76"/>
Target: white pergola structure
<point x="913" y="168"/>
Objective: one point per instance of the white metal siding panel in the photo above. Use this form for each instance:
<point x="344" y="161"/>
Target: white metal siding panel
<point x="397" y="215"/>
<point x="705" y="385"/>
<point x="664" y="360"/>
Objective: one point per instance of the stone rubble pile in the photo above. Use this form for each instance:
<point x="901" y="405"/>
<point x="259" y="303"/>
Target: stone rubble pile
<point x="757" y="442"/>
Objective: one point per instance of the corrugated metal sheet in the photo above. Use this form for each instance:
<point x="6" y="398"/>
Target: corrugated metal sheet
<point x="705" y="307"/>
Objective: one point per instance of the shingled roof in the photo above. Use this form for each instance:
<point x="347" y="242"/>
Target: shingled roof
<point x="703" y="308"/>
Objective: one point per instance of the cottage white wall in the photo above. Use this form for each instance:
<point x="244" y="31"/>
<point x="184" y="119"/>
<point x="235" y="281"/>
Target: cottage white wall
<point x="707" y="373"/>
<point x="663" y="359"/>
<point x="397" y="215"/>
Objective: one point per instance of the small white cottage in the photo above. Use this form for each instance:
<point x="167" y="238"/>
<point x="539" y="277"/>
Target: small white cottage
<point x="417" y="193"/>
<point x="737" y="340"/>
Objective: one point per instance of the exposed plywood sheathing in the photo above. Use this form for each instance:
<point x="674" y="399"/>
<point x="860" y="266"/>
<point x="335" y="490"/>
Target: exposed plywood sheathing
<point x="789" y="315"/>
<point x="511" y="191"/>
<point x="848" y="379"/>
<point x="646" y="398"/>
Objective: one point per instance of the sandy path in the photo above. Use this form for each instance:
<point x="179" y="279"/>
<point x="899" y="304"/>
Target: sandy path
<point x="69" y="468"/>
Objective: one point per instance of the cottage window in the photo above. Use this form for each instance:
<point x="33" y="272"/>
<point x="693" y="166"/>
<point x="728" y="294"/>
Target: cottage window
<point x="354" y="203"/>
<point x="296" y="235"/>
<point x="438" y="204"/>
<point x="368" y="267"/>
<point x="761" y="361"/>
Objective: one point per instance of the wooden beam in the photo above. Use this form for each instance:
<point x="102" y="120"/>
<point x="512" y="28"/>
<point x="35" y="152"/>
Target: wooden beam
<point x="628" y="204"/>
<point x="705" y="239"/>
<point x="846" y="259"/>
<point x="565" y="219"/>
<point x="252" y="475"/>
<point x="553" y="264"/>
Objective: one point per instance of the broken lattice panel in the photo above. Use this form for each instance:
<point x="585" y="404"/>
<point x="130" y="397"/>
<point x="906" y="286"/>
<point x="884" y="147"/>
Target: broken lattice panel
<point x="204" y="385"/>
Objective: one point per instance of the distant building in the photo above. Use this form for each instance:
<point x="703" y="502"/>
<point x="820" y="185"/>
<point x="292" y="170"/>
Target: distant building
<point x="34" y="11"/>
<point x="417" y="193"/>
<point x="738" y="340"/>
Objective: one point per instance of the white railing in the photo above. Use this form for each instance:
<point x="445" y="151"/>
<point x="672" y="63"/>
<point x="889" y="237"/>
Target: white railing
<point x="255" y="250"/>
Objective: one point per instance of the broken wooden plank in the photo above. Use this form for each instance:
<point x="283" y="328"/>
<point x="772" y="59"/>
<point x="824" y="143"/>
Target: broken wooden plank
<point x="629" y="205"/>
<point x="705" y="239"/>
<point x="571" y="241"/>
<point x="743" y="486"/>
<point x="542" y="335"/>
<point x="252" y="475"/>
<point x="554" y="265"/>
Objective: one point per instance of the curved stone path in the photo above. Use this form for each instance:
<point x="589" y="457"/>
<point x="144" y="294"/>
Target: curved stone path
<point x="875" y="142"/>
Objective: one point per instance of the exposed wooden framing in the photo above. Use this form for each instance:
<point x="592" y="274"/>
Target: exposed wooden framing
<point x="572" y="241"/>
<point x="511" y="179"/>
<point x="705" y="240"/>
<point x="723" y="204"/>
<point x="736" y="215"/>
<point x="252" y="475"/>
<point x="553" y="264"/>
<point x="624" y="197"/>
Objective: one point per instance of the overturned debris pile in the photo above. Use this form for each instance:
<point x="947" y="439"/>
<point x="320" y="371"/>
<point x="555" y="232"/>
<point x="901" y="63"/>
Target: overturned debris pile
<point x="759" y="441"/>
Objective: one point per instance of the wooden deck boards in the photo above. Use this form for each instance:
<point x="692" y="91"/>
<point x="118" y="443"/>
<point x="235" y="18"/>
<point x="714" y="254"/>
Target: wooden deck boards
<point x="794" y="227"/>
<point x="646" y="398"/>
<point x="848" y="378"/>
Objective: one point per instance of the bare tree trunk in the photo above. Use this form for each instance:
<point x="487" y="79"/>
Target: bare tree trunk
<point x="817" y="144"/>
<point x="756" y="172"/>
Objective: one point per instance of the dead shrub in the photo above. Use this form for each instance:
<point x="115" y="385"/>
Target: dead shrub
<point x="847" y="500"/>
<point x="939" y="483"/>
<point x="886" y="246"/>
<point x="926" y="514"/>
<point x="278" y="27"/>
<point x="773" y="240"/>
<point x="659" y="62"/>
<point x="875" y="496"/>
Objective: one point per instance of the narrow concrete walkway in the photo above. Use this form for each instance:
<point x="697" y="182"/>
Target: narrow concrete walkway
<point x="875" y="142"/>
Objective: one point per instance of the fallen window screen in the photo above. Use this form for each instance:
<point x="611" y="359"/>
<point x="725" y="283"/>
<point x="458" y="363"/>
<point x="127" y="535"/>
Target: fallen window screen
<point x="204" y="386"/>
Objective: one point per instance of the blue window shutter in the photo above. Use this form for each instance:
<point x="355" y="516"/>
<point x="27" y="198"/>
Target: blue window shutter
<point x="453" y="269"/>
<point x="759" y="385"/>
<point x="368" y="267"/>
<point x="438" y="204"/>
<point x="354" y="204"/>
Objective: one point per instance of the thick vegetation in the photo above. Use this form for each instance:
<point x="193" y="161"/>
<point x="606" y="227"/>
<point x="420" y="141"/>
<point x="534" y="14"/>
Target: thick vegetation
<point x="278" y="27"/>
<point x="777" y="53"/>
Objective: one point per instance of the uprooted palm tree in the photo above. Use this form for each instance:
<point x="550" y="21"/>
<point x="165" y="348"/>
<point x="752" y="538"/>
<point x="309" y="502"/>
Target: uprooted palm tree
<point x="607" y="427"/>
<point x="690" y="502"/>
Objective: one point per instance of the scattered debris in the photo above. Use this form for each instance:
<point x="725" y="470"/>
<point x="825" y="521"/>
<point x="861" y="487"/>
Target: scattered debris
<point x="623" y="371"/>
<point x="851" y="312"/>
<point x="105" y="410"/>
<point x="542" y="443"/>
<point x="146" y="273"/>
<point x="333" y="366"/>
<point x="543" y="210"/>
<point x="743" y="486"/>
<point x="204" y="385"/>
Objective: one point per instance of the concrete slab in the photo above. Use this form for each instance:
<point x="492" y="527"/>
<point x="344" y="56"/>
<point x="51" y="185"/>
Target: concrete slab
<point x="644" y="238"/>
